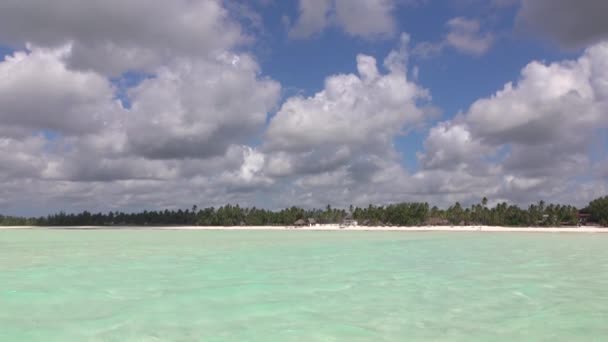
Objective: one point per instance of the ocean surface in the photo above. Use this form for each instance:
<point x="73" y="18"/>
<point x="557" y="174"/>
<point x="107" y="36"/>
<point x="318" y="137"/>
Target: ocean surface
<point x="149" y="285"/>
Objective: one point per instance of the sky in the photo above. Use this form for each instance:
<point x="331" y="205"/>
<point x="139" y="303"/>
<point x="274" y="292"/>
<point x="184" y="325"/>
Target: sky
<point x="131" y="105"/>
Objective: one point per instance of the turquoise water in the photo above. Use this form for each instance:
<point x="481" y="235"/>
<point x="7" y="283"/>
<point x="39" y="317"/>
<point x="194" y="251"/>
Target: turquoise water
<point x="137" y="285"/>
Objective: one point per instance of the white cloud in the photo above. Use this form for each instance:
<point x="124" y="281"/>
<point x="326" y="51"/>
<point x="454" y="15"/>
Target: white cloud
<point x="571" y="23"/>
<point x="361" y="18"/>
<point x="352" y="111"/>
<point x="113" y="36"/>
<point x="194" y="114"/>
<point x="464" y="35"/>
<point x="531" y="139"/>
<point x="451" y="146"/>
<point x="38" y="92"/>
<point x="197" y="108"/>
<point x="337" y="145"/>
<point x="250" y="176"/>
<point x="21" y="158"/>
<point x="366" y="18"/>
<point x="196" y="131"/>
<point x="190" y="109"/>
<point x="313" y="18"/>
<point x="548" y="102"/>
<point x="66" y="142"/>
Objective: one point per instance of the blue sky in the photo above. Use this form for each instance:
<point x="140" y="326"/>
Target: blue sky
<point x="126" y="105"/>
<point x="455" y="79"/>
<point x="304" y="63"/>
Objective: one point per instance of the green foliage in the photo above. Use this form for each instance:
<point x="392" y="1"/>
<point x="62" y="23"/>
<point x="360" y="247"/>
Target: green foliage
<point x="7" y="221"/>
<point x="599" y="211"/>
<point x="402" y="214"/>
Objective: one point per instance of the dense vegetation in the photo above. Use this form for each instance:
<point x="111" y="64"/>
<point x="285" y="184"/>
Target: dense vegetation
<point x="16" y="221"/>
<point x="404" y="214"/>
<point x="599" y="211"/>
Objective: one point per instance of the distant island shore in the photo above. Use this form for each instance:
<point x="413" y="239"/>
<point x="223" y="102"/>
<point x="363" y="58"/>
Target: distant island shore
<point x="405" y="216"/>
<point x="493" y="229"/>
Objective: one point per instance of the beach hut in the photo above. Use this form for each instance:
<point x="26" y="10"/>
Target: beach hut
<point x="583" y="217"/>
<point x="300" y="223"/>
<point x="349" y="221"/>
<point x="312" y="222"/>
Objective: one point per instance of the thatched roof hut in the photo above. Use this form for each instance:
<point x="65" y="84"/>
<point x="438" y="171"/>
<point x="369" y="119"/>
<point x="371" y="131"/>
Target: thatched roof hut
<point x="349" y="220"/>
<point x="300" y="223"/>
<point x="312" y="222"/>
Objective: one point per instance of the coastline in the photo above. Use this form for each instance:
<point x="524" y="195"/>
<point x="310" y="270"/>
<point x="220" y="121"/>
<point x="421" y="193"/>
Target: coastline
<point x="489" y="229"/>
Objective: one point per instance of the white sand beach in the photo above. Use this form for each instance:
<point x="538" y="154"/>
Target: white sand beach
<point x="409" y="229"/>
<point x="360" y="228"/>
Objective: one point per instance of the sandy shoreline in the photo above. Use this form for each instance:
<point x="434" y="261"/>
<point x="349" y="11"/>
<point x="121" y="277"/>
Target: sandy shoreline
<point x="359" y="228"/>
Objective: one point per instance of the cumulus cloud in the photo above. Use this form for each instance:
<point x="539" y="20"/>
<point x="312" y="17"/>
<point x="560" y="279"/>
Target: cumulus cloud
<point x="115" y="36"/>
<point x="450" y="146"/>
<point x="366" y="17"/>
<point x="548" y="103"/>
<point x="250" y="176"/>
<point x="352" y="110"/>
<point x="350" y="123"/>
<point x="313" y="18"/>
<point x="66" y="139"/>
<point x="532" y="137"/>
<point x="570" y="23"/>
<point x="189" y="109"/>
<point x="464" y="35"/>
<point x="69" y="102"/>
<point x="336" y="146"/>
<point x="21" y="158"/>
<point x="201" y="128"/>
<point x="197" y="108"/>
<point x="361" y="18"/>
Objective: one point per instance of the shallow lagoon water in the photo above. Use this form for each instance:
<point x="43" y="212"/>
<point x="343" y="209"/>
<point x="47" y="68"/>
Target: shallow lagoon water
<point x="149" y="285"/>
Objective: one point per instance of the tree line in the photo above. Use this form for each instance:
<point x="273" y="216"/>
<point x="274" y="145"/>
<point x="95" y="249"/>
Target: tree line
<point x="402" y="214"/>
